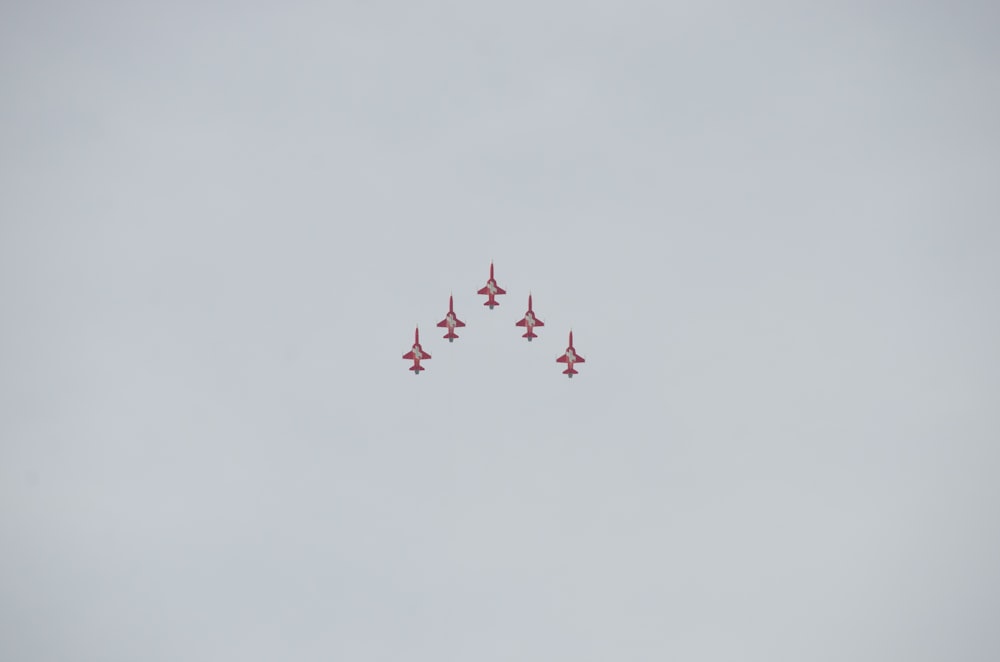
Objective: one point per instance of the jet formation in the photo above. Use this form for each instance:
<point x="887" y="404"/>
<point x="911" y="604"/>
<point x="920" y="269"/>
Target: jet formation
<point x="529" y="322"/>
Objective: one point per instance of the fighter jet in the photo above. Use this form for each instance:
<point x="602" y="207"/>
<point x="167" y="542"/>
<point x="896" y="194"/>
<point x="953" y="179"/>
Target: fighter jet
<point x="491" y="290"/>
<point x="417" y="353"/>
<point x="450" y="322"/>
<point x="530" y="321"/>
<point x="570" y="357"/>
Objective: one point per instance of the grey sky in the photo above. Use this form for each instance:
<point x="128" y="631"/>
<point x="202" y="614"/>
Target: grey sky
<point x="773" y="229"/>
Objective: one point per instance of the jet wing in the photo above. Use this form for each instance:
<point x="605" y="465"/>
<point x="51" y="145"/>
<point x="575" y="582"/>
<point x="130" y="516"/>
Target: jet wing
<point x="576" y="358"/>
<point x="409" y="355"/>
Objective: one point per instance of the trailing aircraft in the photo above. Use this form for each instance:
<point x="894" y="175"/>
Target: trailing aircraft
<point x="491" y="290"/>
<point x="530" y="322"/>
<point x="450" y="322"/>
<point x="416" y="353"/>
<point x="570" y="357"/>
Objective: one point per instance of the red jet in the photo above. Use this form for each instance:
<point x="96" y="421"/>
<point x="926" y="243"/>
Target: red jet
<point x="530" y="321"/>
<point x="450" y="322"/>
<point x="491" y="290"/>
<point x="417" y="353"/>
<point x="570" y="357"/>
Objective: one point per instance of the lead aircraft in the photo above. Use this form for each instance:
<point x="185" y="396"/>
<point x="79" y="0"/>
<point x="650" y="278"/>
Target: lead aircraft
<point x="529" y="321"/>
<point x="416" y="353"/>
<point x="570" y="357"/>
<point x="491" y="290"/>
<point x="451" y="322"/>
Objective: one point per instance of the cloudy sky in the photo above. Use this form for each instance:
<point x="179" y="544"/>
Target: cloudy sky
<point x="772" y="226"/>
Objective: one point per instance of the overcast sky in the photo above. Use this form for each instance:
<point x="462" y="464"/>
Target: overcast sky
<point x="772" y="226"/>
